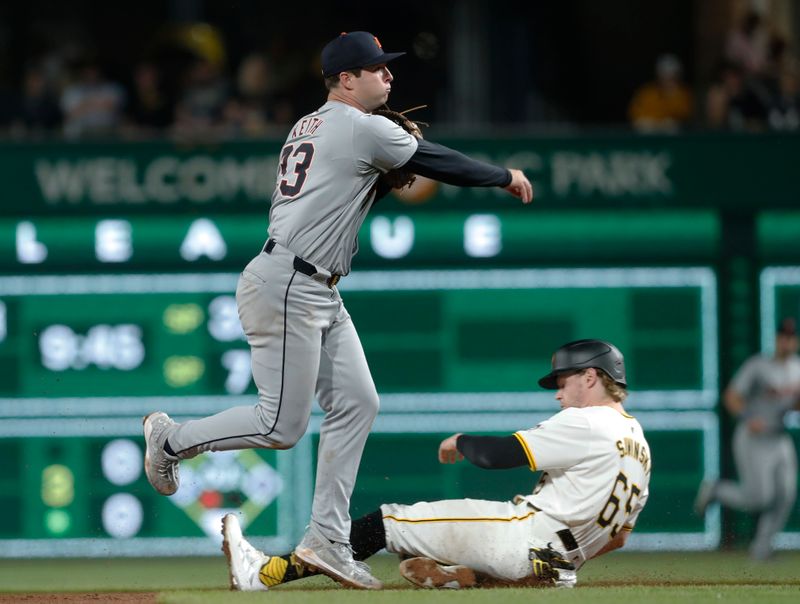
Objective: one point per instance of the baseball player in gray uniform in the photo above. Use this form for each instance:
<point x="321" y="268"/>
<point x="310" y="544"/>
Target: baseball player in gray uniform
<point x="761" y="393"/>
<point x="595" y="482"/>
<point x="302" y="339"/>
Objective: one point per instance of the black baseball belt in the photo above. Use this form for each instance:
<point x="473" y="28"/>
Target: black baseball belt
<point x="302" y="266"/>
<point x="568" y="539"/>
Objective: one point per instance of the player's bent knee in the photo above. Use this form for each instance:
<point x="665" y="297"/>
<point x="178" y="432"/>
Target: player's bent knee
<point x="287" y="435"/>
<point x="283" y="442"/>
<point x="291" y="439"/>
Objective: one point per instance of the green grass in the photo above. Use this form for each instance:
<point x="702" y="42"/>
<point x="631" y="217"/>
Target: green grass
<point x="667" y="578"/>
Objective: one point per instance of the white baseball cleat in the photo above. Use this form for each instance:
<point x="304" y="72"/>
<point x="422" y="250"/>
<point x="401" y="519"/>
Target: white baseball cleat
<point x="334" y="560"/>
<point x="424" y="572"/>
<point x="161" y="469"/>
<point x="244" y="561"/>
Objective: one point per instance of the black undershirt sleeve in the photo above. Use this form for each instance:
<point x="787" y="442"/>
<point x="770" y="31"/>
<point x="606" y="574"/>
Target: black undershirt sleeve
<point x="492" y="452"/>
<point x="446" y="165"/>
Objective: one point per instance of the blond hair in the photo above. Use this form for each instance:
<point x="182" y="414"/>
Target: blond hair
<point x="614" y="390"/>
<point x="617" y="392"/>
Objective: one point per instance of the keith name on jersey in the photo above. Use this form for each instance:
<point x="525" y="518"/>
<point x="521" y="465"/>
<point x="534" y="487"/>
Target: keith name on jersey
<point x="308" y="125"/>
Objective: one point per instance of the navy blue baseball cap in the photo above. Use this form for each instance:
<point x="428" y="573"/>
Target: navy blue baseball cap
<point x="354" y="50"/>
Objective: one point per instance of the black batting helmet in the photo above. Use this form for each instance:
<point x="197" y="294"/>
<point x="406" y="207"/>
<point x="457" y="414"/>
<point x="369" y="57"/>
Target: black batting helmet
<point x="582" y="354"/>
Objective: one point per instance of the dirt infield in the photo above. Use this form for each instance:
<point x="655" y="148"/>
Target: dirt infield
<point x="74" y="598"/>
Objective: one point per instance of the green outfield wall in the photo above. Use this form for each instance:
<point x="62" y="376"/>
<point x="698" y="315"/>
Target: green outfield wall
<point x="118" y="265"/>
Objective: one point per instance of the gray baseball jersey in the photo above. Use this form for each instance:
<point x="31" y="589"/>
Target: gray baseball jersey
<point x="769" y="388"/>
<point x="328" y="169"/>
<point x="766" y="461"/>
<point x="302" y="340"/>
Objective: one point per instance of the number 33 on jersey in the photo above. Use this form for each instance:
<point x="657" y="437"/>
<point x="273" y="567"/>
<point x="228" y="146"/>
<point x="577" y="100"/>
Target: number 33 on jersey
<point x="292" y="180"/>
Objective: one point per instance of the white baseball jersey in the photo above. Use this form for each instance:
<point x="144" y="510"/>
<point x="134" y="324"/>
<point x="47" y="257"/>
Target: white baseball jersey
<point x="596" y="472"/>
<point x="328" y="169"/>
<point x="596" y="465"/>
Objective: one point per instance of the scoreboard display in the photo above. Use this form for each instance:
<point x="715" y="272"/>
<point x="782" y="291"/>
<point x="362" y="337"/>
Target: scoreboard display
<point x="87" y="496"/>
<point x="387" y="240"/>
<point x="144" y="342"/>
<point x="159" y="335"/>
<point x="85" y="356"/>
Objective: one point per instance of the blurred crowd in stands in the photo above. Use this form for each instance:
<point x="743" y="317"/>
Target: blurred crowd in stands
<point x="185" y="87"/>
<point x="181" y="89"/>
<point x="755" y="87"/>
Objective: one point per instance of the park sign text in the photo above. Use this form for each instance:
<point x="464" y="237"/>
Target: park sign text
<point x="710" y="171"/>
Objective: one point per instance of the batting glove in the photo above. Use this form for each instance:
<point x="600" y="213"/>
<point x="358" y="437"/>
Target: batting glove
<point x="551" y="568"/>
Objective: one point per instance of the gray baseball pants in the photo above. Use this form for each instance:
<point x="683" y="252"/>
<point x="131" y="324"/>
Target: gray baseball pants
<point x="767" y="466"/>
<point x="302" y="342"/>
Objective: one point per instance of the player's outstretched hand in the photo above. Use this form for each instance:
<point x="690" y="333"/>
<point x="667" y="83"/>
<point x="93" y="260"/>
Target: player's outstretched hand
<point x="520" y="186"/>
<point x="448" y="453"/>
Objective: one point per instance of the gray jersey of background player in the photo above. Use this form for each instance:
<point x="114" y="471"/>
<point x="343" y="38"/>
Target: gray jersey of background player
<point x="303" y="342"/>
<point x="761" y="393"/>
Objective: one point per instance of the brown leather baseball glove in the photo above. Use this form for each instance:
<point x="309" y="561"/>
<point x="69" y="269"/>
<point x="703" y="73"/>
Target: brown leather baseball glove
<point x="399" y="178"/>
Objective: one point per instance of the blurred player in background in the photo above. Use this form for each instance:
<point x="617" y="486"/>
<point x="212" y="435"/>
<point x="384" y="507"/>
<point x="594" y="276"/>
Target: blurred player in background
<point x="596" y="471"/>
<point x="761" y="393"/>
